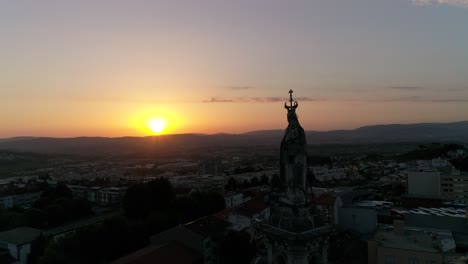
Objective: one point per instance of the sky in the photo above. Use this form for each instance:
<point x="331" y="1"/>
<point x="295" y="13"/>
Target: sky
<point x="106" y="67"/>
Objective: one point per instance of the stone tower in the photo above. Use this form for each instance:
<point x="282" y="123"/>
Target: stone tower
<point x="291" y="236"/>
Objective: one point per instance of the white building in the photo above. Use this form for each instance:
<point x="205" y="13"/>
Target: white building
<point x="439" y="180"/>
<point x="106" y="196"/>
<point x="324" y="173"/>
<point x="18" y="242"/>
<point x="233" y="199"/>
<point x="21" y="200"/>
<point x="424" y="182"/>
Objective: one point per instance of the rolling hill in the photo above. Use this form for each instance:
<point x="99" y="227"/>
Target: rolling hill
<point x="397" y="133"/>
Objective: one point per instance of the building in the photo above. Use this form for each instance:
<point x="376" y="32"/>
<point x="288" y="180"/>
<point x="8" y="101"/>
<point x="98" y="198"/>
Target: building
<point x="328" y="204"/>
<point x="201" y="235"/>
<point x="325" y="173"/>
<point x="359" y="220"/>
<point x="19" y="200"/>
<point x="18" y="242"/>
<point x="438" y="179"/>
<point x="454" y="186"/>
<point x="242" y="216"/>
<point x="211" y="167"/>
<point x="104" y="196"/>
<point x="171" y="252"/>
<point x="233" y="199"/>
<point x="290" y="233"/>
<point x="453" y="219"/>
<point x="110" y="196"/>
<point x="393" y="244"/>
<point x="424" y="182"/>
<point x="199" y="183"/>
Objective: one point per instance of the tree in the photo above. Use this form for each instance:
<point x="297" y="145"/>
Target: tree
<point x="141" y="199"/>
<point x="245" y="183"/>
<point x="254" y="181"/>
<point x="100" y="243"/>
<point x="198" y="204"/>
<point x="275" y="181"/>
<point x="264" y="180"/>
<point x="232" y="184"/>
<point x="236" y="248"/>
<point x="36" y="218"/>
<point x="158" y="221"/>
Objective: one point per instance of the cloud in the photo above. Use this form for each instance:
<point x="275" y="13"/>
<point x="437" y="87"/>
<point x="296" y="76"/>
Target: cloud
<point x="239" y="88"/>
<point x="420" y="99"/>
<point x="459" y="3"/>
<point x="453" y="100"/>
<point x="260" y="100"/>
<point x="406" y="99"/>
<point x="218" y="100"/>
<point x="406" y="88"/>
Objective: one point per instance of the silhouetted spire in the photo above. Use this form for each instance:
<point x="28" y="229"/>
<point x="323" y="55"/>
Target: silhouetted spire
<point x="292" y="104"/>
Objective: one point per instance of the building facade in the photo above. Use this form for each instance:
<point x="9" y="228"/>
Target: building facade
<point x="19" y="200"/>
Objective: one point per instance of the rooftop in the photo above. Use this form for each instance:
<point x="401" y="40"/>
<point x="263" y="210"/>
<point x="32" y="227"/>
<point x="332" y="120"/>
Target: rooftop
<point x="443" y="211"/>
<point x="416" y="239"/>
<point x="20" y="235"/>
<point x="171" y="252"/>
<point x="208" y="226"/>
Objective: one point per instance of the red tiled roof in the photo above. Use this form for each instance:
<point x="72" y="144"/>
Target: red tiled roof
<point x="225" y="213"/>
<point x="172" y="252"/>
<point x="249" y="208"/>
<point x="208" y="226"/>
<point x="325" y="199"/>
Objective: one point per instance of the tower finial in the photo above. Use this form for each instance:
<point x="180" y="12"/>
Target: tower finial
<point x="292" y="104"/>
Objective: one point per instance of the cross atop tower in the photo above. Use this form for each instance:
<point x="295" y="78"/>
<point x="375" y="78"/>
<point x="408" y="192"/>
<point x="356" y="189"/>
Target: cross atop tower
<point x="292" y="104"/>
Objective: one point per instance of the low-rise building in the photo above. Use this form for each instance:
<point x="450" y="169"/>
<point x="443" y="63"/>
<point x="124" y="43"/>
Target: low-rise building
<point x="242" y="216"/>
<point x="325" y="173"/>
<point x="454" y="219"/>
<point x="233" y="199"/>
<point x="201" y="235"/>
<point x="424" y="182"/>
<point x="18" y="242"/>
<point x="454" y="186"/>
<point x="105" y="196"/>
<point x="398" y="243"/>
<point x="170" y="252"/>
<point x="20" y="199"/>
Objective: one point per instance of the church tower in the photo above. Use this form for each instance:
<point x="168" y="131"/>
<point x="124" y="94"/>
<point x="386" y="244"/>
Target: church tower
<point x="291" y="235"/>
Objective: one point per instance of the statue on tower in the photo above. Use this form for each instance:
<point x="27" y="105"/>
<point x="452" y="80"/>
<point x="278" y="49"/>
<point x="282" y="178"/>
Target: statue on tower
<point x="290" y="233"/>
<point x="294" y="167"/>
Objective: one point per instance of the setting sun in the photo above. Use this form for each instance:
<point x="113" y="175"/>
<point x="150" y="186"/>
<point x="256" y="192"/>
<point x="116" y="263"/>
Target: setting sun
<point x="157" y="125"/>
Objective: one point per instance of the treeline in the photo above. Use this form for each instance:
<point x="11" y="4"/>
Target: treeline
<point x="255" y="181"/>
<point x="460" y="163"/>
<point x="148" y="208"/>
<point x="100" y="243"/>
<point x="56" y="206"/>
<point x="430" y="151"/>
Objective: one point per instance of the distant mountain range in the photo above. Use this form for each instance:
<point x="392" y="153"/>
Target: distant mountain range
<point x="424" y="132"/>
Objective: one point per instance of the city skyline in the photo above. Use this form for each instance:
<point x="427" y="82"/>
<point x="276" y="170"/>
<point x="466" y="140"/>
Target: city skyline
<point x="99" y="69"/>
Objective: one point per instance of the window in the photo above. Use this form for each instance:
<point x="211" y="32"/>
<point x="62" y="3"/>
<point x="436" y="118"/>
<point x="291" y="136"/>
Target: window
<point x="413" y="260"/>
<point x="389" y="259"/>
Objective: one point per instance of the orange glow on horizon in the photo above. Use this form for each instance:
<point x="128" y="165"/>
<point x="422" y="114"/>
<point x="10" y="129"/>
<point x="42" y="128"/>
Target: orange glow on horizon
<point x="155" y="121"/>
<point x="157" y="125"/>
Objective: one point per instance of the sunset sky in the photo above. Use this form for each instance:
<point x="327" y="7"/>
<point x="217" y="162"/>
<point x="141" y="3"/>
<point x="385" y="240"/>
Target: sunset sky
<point x="105" y="68"/>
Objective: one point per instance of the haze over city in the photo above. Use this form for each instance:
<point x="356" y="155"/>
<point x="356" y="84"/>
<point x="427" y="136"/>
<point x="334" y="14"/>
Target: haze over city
<point x="109" y="68"/>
